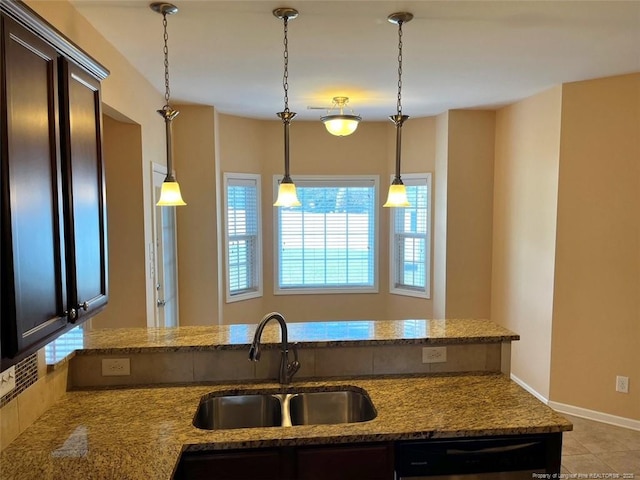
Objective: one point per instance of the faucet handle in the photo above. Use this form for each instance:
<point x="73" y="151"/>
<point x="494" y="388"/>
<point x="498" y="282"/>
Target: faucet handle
<point x="294" y="349"/>
<point x="254" y="353"/>
<point x="293" y="367"/>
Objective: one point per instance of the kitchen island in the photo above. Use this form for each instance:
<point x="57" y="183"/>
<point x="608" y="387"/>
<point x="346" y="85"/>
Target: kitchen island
<point x="139" y="426"/>
<point x="140" y="433"/>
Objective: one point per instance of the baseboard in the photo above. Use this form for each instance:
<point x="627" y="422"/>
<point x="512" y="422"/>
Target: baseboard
<point x="529" y="389"/>
<point x="594" y="415"/>
<point x="579" y="411"/>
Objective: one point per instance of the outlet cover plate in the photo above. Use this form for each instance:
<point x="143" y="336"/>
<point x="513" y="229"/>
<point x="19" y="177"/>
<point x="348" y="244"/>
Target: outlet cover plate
<point x="434" y="354"/>
<point x="622" y="384"/>
<point x="7" y="381"/>
<point x="116" y="367"/>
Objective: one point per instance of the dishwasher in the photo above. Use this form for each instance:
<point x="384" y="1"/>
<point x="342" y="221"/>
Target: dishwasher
<point x="493" y="458"/>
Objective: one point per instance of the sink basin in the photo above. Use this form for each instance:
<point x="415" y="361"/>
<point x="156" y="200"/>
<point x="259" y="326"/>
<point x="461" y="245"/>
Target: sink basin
<point x="238" y="411"/>
<point x="345" y="406"/>
<point x="283" y="409"/>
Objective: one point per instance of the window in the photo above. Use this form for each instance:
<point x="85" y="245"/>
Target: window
<point x="328" y="244"/>
<point x="410" y="239"/>
<point x="243" y="245"/>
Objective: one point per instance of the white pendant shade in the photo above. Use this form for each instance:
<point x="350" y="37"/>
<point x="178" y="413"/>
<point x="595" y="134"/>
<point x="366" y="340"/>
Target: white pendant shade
<point x="287" y="196"/>
<point x="170" y="195"/>
<point x="397" y="196"/>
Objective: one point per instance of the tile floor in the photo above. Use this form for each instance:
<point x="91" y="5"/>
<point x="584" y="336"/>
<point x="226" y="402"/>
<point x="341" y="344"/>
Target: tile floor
<point x="598" y="448"/>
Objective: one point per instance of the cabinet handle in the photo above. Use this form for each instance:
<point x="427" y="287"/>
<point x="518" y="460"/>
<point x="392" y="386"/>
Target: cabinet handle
<point x="72" y="314"/>
<point x="161" y="303"/>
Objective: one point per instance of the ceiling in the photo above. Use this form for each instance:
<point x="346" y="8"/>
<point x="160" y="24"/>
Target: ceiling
<point x="457" y="54"/>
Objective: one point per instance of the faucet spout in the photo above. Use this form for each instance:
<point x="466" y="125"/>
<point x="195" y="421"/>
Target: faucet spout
<point x="287" y="369"/>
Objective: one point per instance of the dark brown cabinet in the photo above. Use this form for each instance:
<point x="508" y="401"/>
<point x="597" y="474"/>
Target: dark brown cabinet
<point x="263" y="464"/>
<point x="337" y="462"/>
<point x="53" y="254"/>
<point x="84" y="187"/>
<point x="373" y="462"/>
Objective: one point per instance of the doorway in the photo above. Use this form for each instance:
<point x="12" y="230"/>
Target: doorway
<point x="164" y="256"/>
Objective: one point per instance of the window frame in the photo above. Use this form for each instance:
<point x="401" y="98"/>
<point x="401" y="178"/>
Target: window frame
<point x="410" y="179"/>
<point x="258" y="263"/>
<point x="331" y="181"/>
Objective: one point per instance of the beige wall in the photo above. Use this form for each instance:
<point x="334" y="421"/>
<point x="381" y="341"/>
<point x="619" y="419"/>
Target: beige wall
<point x="464" y="196"/>
<point x="255" y="146"/>
<point x="122" y="149"/>
<point x="524" y="230"/>
<point x="596" y="310"/>
<point x="241" y="151"/>
<point x="418" y="156"/>
<point x="195" y="165"/>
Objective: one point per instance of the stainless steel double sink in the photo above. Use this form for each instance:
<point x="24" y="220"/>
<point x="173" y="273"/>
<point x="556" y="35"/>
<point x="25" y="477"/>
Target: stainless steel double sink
<point x="264" y="409"/>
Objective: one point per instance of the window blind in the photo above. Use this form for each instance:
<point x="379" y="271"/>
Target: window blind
<point x="410" y="238"/>
<point x="243" y="234"/>
<point x="328" y="242"/>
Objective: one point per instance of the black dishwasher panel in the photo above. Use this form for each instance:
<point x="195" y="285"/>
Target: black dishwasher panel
<point x="425" y="458"/>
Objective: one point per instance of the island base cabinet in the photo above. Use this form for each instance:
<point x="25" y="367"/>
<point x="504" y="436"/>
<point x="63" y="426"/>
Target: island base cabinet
<point x="335" y="462"/>
<point x="267" y="464"/>
<point x="340" y="463"/>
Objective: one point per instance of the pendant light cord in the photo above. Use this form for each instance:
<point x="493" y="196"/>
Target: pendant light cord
<point x="400" y="68"/>
<point x="285" y="77"/>
<point x="167" y="91"/>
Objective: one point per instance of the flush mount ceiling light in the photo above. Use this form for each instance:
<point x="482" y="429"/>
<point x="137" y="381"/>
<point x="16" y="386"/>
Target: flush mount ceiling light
<point x="287" y="196"/>
<point x="397" y="192"/>
<point x="340" y="124"/>
<point x="170" y="192"/>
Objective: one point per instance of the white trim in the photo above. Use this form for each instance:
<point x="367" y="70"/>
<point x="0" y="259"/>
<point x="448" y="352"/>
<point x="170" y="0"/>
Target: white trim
<point x="256" y="179"/>
<point x="329" y="181"/>
<point x="581" y="412"/>
<point x="597" y="416"/>
<point x="530" y="389"/>
<point x="152" y="320"/>
<point x="426" y="292"/>
<point x="157" y="168"/>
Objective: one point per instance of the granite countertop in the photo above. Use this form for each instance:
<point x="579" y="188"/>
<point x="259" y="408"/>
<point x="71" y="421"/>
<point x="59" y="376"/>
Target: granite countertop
<point x="139" y="433"/>
<point x="307" y="334"/>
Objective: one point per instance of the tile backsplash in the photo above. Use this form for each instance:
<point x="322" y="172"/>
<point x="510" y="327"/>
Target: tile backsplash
<point x="26" y="375"/>
<point x="85" y="371"/>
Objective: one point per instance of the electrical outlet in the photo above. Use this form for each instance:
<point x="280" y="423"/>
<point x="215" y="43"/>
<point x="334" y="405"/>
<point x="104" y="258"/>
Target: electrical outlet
<point x="622" y="384"/>
<point x="434" y="354"/>
<point x="116" y="367"/>
<point x="7" y="381"/>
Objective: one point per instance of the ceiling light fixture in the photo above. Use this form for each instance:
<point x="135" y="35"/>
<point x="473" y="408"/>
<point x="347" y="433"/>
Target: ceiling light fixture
<point x="340" y="124"/>
<point x="397" y="192"/>
<point x="287" y="196"/>
<point x="170" y="193"/>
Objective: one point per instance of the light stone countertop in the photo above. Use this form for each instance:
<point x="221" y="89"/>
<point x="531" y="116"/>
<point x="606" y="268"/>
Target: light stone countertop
<point x="139" y="433"/>
<point x="306" y="334"/>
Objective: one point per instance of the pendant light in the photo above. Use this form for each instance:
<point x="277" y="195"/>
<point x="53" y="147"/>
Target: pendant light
<point x="170" y="192"/>
<point x="340" y="124"/>
<point x="397" y="192"/>
<point x="287" y="196"/>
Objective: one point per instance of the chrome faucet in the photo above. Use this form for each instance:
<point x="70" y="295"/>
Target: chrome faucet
<point x="287" y="369"/>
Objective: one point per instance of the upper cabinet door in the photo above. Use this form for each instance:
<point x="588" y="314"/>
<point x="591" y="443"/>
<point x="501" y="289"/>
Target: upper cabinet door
<point x="34" y="292"/>
<point x="85" y="189"/>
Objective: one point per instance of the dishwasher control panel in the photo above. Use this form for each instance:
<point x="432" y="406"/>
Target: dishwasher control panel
<point x="468" y="456"/>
